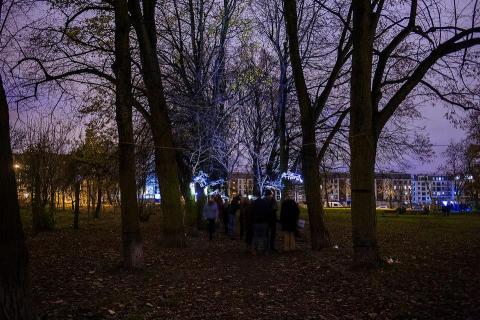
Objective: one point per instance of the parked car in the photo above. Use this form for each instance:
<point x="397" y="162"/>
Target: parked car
<point x="415" y="208"/>
<point x="334" y="204"/>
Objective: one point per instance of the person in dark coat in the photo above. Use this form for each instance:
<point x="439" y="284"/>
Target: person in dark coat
<point x="210" y="214"/>
<point x="260" y="219"/>
<point x="248" y="218"/>
<point x="289" y="214"/>
<point x="244" y="204"/>
<point x="224" y="215"/>
<point x="272" y="220"/>
<point x="219" y="201"/>
<point x="233" y="212"/>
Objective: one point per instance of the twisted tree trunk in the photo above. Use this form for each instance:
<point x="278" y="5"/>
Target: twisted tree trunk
<point x="320" y="238"/>
<point x="15" y="298"/>
<point x="166" y="166"/>
<point x="310" y="162"/>
<point x="131" y="238"/>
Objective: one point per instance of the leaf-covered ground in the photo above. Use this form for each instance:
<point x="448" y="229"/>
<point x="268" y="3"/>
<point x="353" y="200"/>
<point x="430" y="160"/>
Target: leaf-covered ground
<point x="75" y="275"/>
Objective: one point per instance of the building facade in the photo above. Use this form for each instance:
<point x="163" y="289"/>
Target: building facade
<point x="433" y="190"/>
<point x="393" y="189"/>
<point x="240" y="183"/>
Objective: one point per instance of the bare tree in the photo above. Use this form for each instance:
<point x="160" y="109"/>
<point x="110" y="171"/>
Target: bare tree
<point x="41" y="154"/>
<point x="272" y="28"/>
<point x="379" y="86"/>
<point x="457" y="167"/>
<point x="131" y="238"/>
<point x="144" y="23"/>
<point x="313" y="109"/>
<point x="255" y="115"/>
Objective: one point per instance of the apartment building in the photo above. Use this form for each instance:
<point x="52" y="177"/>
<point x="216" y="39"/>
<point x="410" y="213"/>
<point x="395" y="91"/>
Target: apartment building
<point x="433" y="190"/>
<point x="240" y="183"/>
<point x="393" y="189"/>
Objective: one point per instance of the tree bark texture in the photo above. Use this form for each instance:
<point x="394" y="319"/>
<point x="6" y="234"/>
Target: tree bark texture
<point x="281" y="121"/>
<point x="131" y="239"/>
<point x="190" y="220"/>
<point x="310" y="165"/>
<point x="166" y="167"/>
<point x="99" y="201"/>
<point x="320" y="238"/>
<point x="363" y="140"/>
<point x="15" y="296"/>
<point x="37" y="207"/>
<point x="76" y="208"/>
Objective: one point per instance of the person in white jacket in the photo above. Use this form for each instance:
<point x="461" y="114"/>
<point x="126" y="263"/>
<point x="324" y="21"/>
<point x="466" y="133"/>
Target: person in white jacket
<point x="210" y="214"/>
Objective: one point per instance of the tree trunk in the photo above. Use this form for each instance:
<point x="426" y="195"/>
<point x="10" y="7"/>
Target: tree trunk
<point x="201" y="200"/>
<point x="190" y="216"/>
<point x="63" y="200"/>
<point x="58" y="200"/>
<point x="99" y="202"/>
<point x="93" y="196"/>
<point x="325" y="187"/>
<point x="257" y="176"/>
<point x="190" y="220"/>
<point x="281" y="122"/>
<point x="166" y="167"/>
<point x="72" y="200"/>
<point x="76" y="208"/>
<point x="131" y="238"/>
<point x="362" y="139"/>
<point x="52" y="199"/>
<point x="310" y="162"/>
<point x="36" y="202"/>
<point x="312" y="181"/>
<point x="88" y="197"/>
<point x="363" y="201"/>
<point x="172" y="233"/>
<point x="15" y="297"/>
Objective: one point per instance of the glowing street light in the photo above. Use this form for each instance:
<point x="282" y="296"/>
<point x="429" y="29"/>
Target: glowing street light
<point x="16" y="166"/>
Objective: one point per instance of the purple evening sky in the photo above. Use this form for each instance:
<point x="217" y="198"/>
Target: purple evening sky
<point x="440" y="130"/>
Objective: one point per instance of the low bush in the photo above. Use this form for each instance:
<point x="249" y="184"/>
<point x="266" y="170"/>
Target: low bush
<point x="47" y="220"/>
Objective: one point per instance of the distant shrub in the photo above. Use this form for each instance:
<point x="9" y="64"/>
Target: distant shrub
<point x="145" y="211"/>
<point x="47" y="220"/>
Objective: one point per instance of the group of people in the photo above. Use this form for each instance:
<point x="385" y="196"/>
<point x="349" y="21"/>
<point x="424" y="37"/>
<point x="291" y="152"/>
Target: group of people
<point x="257" y="220"/>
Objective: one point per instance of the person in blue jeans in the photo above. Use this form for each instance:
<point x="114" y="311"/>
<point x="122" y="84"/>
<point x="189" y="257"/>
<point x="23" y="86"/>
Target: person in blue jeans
<point x="210" y="214"/>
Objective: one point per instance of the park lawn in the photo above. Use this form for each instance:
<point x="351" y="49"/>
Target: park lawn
<point x="346" y="210"/>
<point x="75" y="275"/>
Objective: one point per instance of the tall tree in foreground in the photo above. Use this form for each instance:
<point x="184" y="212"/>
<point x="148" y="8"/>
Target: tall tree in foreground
<point x="15" y="300"/>
<point x="312" y="113"/>
<point x="131" y="238"/>
<point x="166" y="166"/>
<point x="396" y="73"/>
